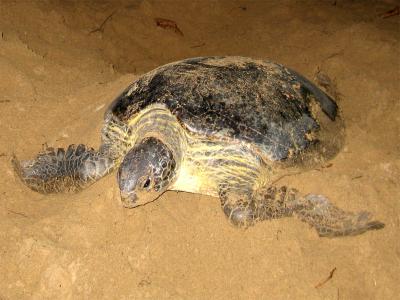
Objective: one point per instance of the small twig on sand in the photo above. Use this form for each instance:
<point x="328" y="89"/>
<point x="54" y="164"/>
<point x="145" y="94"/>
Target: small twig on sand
<point x="278" y="233"/>
<point x="198" y="46"/>
<point x="283" y="176"/>
<point x="327" y="279"/>
<point x="17" y="213"/>
<point x="390" y="13"/>
<point x="102" y="25"/>
<point x="168" y="24"/>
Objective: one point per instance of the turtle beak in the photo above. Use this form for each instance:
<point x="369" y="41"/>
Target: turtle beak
<point x="129" y="200"/>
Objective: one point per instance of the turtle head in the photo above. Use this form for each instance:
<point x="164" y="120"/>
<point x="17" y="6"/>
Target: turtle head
<point x="145" y="173"/>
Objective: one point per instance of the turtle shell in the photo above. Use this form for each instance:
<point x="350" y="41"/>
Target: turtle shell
<point x="254" y="101"/>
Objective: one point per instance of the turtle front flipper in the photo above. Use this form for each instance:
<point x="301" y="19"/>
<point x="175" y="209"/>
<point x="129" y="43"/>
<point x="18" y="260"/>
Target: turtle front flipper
<point x="58" y="171"/>
<point x="316" y="210"/>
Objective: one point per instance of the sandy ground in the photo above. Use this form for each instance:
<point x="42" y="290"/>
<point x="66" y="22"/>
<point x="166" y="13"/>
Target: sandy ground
<point x="60" y="66"/>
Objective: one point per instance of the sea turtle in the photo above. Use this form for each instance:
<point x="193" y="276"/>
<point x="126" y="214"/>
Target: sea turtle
<point x="228" y="127"/>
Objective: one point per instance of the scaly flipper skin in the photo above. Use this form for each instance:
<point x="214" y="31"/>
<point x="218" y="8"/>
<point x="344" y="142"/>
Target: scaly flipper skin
<point x="58" y="171"/>
<point x="316" y="210"/>
<point x="331" y="221"/>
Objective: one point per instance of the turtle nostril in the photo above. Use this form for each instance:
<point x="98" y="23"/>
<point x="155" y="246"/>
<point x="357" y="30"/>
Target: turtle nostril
<point x="128" y="200"/>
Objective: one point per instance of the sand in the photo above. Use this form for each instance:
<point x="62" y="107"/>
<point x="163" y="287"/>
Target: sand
<point x="60" y="66"/>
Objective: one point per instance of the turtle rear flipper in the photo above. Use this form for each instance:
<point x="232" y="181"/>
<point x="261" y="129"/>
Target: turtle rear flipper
<point x="331" y="221"/>
<point x="58" y="171"/>
<point x="316" y="210"/>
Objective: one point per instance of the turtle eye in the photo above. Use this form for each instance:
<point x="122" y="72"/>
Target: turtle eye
<point x="146" y="183"/>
